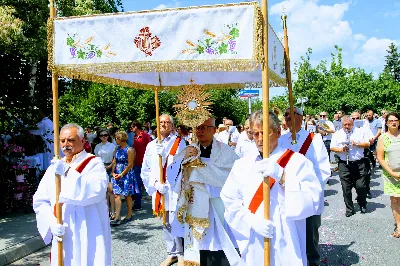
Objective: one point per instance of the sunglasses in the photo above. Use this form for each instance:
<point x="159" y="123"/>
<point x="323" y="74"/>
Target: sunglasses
<point x="103" y="136"/>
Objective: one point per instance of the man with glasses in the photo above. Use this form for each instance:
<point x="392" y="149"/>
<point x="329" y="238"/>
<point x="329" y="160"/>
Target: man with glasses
<point x="349" y="143"/>
<point x="312" y="146"/>
<point x="150" y="174"/>
<point x="246" y="145"/>
<point x="205" y="228"/>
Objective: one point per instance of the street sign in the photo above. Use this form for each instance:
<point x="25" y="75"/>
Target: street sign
<point x="248" y="93"/>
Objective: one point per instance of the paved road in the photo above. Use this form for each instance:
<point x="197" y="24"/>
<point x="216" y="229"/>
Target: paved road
<point x="363" y="239"/>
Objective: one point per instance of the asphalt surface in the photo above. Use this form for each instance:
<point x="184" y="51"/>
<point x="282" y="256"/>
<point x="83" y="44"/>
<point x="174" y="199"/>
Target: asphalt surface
<point x="363" y="239"/>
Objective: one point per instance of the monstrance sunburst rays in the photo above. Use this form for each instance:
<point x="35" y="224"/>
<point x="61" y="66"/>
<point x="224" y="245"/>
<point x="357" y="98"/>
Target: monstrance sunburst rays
<point x="193" y="105"/>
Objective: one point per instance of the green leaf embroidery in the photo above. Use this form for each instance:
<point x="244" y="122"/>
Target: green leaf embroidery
<point x="81" y="54"/>
<point x="99" y="53"/>
<point x="200" y="49"/>
<point x="234" y="33"/>
<point x="223" y="48"/>
<point x="70" y="41"/>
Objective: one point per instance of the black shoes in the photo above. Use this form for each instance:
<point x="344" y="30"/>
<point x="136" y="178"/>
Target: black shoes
<point x="351" y="213"/>
<point x="363" y="210"/>
<point x="369" y="196"/>
<point x="136" y="208"/>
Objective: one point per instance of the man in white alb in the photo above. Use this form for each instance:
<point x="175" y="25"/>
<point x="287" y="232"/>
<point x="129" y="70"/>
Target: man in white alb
<point x="294" y="196"/>
<point x="150" y="174"/>
<point x="230" y="135"/>
<point x="207" y="239"/>
<point x="85" y="231"/>
<point x="311" y="146"/>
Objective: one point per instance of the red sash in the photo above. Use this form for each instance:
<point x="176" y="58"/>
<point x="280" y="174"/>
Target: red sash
<point x="258" y="197"/>
<point x="306" y="144"/>
<point x="79" y="169"/>
<point x="158" y="202"/>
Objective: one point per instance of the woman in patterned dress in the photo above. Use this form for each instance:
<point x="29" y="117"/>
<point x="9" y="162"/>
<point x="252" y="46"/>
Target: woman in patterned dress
<point x="388" y="155"/>
<point x="122" y="176"/>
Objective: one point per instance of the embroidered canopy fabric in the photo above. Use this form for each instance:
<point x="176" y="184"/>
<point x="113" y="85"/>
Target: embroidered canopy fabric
<point x="219" y="46"/>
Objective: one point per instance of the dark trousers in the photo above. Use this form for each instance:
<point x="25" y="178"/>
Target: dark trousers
<point x="213" y="258"/>
<point x="328" y="148"/>
<point x="353" y="175"/>
<point x="138" y="183"/>
<point x="367" y="173"/>
<point x="312" y="238"/>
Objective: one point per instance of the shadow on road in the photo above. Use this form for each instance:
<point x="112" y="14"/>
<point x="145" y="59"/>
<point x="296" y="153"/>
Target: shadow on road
<point x="330" y="192"/>
<point x="376" y="193"/>
<point x="337" y="255"/>
<point x="374" y="184"/>
<point x="333" y="182"/>
<point x="372" y="206"/>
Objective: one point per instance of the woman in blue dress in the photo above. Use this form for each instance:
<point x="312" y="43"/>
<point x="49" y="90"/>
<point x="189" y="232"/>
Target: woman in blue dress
<point x="122" y="180"/>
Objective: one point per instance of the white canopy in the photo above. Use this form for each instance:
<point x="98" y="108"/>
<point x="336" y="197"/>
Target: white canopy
<point x="219" y="46"/>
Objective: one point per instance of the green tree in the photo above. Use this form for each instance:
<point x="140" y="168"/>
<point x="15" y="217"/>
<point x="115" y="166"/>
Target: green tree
<point x="392" y="65"/>
<point x="337" y="87"/>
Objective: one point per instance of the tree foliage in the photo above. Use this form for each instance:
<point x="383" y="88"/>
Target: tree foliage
<point x="333" y="87"/>
<point x="392" y="65"/>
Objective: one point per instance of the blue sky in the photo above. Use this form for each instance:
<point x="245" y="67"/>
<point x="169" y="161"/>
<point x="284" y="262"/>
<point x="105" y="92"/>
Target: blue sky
<point x="363" y="28"/>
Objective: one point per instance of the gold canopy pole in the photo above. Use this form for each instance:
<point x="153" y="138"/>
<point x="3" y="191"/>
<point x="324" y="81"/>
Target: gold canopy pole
<point x="265" y="102"/>
<point x="54" y="85"/>
<point x="289" y="77"/>
<point x="164" y="217"/>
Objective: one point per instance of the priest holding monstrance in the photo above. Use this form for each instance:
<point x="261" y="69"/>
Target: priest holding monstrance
<point x="294" y="196"/>
<point x="205" y="167"/>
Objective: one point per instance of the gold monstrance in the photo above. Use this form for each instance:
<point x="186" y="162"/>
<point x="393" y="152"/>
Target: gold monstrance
<point x="192" y="111"/>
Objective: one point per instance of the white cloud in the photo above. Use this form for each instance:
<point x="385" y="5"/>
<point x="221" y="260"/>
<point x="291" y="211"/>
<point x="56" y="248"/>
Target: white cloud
<point x="174" y="3"/>
<point x="321" y="26"/>
<point x="316" y="26"/>
<point x="393" y="14"/>
<point x="162" y="6"/>
<point x="372" y="54"/>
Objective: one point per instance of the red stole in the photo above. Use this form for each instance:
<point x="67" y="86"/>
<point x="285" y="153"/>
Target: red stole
<point x="158" y="202"/>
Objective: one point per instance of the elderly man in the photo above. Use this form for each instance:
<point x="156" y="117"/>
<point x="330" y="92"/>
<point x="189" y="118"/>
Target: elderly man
<point x="199" y="206"/>
<point x="375" y="127"/>
<point x="295" y="194"/>
<point x="245" y="145"/>
<point x="349" y="143"/>
<point x="150" y="174"/>
<point x="85" y="231"/>
<point x="326" y="128"/>
<point x="230" y="136"/>
<point x="312" y="146"/>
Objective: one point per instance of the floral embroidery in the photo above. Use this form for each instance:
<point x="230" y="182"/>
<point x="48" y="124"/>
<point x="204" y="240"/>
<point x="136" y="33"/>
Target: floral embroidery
<point x="87" y="50"/>
<point x="146" y="42"/>
<point x="213" y="44"/>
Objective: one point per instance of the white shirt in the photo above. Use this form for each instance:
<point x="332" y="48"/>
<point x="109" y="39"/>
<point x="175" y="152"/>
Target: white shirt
<point x="224" y="136"/>
<point x="331" y="127"/>
<point x="45" y="130"/>
<point x="105" y="151"/>
<point x="340" y="140"/>
<point x="245" y="146"/>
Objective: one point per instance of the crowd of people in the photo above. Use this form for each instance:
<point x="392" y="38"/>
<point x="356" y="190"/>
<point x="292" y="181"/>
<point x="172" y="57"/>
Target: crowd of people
<point x="209" y="187"/>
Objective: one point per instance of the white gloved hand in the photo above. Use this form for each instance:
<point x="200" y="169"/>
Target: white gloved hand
<point x="262" y="226"/>
<point x="269" y="167"/>
<point x="60" y="167"/>
<point x="160" y="150"/>
<point x="162" y="188"/>
<point x="58" y="230"/>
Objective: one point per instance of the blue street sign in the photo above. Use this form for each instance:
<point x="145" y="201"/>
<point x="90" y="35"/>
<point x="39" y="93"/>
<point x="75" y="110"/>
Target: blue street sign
<point x="248" y="93"/>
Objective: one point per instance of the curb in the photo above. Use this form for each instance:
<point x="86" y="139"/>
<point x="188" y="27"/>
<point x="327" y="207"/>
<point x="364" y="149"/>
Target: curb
<point x="20" y="250"/>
